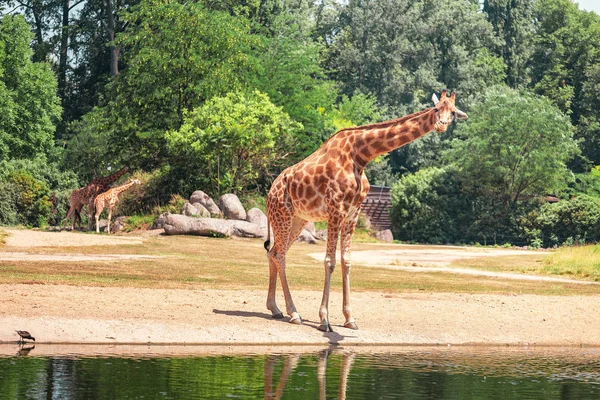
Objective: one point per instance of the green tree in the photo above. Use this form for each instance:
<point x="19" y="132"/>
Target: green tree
<point x="28" y="103"/>
<point x="229" y="142"/>
<point x="515" y="147"/>
<point x="565" y="69"/>
<point x="513" y="23"/>
<point x="401" y="51"/>
<point x="178" y="56"/>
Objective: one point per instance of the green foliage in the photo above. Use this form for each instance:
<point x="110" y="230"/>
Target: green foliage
<point x="575" y="220"/>
<point x="404" y="66"/>
<point x="513" y="22"/>
<point x="31" y="199"/>
<point x="565" y="68"/>
<point x="427" y="207"/>
<point x="178" y="56"/>
<point x="28" y="106"/>
<point x="137" y="222"/>
<point x="514" y="147"/>
<point x="227" y="144"/>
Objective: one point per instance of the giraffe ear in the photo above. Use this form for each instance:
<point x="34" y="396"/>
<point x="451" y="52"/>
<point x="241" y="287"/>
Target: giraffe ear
<point x="460" y="115"/>
<point x="435" y="99"/>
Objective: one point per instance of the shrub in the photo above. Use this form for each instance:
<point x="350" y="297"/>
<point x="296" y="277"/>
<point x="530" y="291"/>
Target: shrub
<point x="31" y="200"/>
<point x="569" y="222"/>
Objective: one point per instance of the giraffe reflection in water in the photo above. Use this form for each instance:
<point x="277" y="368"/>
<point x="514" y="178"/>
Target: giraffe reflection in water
<point x="290" y="362"/>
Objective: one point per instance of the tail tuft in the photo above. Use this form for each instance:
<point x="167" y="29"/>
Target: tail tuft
<point x="267" y="244"/>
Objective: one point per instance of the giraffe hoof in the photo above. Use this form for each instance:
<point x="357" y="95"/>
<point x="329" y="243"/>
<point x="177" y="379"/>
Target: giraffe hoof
<point x="296" y="321"/>
<point x="277" y="316"/>
<point x="325" y="328"/>
<point x="351" y="325"/>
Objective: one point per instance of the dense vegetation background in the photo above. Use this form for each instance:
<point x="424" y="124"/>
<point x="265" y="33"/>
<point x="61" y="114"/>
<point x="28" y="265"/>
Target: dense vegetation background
<point x="222" y="95"/>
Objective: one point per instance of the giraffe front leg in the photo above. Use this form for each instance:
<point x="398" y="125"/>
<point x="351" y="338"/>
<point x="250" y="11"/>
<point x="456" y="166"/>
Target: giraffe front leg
<point x="346" y="243"/>
<point x="332" y="239"/>
<point x="109" y="218"/>
<point x="271" y="304"/>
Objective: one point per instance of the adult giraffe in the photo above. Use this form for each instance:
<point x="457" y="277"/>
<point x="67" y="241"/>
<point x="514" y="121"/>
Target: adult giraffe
<point x="86" y="195"/>
<point x="330" y="185"/>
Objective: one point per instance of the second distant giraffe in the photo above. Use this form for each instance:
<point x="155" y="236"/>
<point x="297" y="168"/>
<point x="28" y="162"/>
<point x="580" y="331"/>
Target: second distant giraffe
<point x="109" y="199"/>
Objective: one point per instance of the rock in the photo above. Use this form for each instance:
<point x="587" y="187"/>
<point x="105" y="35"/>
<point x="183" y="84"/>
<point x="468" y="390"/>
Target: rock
<point x="256" y="216"/>
<point x="159" y="223"/>
<point x="232" y="207"/>
<point x="311" y="228"/>
<point x="118" y="224"/>
<point x="195" y="210"/>
<point x="200" y="197"/>
<point x="385" y="236"/>
<point x="306" y="237"/>
<point x="177" y="224"/>
<point x="321" y="235"/>
<point x="246" y="229"/>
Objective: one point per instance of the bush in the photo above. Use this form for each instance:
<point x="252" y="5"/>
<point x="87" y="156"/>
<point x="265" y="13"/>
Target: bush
<point x="427" y="206"/>
<point x="31" y="199"/>
<point x="569" y="222"/>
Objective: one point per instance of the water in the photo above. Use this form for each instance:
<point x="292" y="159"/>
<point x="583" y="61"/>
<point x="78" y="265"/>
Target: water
<point x="333" y="373"/>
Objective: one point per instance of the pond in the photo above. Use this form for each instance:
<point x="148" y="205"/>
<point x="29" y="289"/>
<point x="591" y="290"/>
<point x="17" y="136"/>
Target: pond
<point x="332" y="373"/>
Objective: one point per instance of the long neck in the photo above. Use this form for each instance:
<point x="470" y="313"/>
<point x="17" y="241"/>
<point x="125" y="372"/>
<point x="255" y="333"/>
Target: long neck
<point x="109" y="180"/>
<point x="377" y="139"/>
<point x="117" y="190"/>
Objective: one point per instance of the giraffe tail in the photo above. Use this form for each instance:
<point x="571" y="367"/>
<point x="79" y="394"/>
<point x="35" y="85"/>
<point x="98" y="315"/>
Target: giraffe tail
<point x="268" y="241"/>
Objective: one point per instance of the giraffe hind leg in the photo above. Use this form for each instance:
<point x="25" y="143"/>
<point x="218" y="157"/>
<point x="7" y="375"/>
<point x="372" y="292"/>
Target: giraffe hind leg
<point x="286" y="230"/>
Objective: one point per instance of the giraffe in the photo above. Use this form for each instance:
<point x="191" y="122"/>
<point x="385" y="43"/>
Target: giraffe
<point x="109" y="199"/>
<point x="85" y="196"/>
<point x="330" y="185"/>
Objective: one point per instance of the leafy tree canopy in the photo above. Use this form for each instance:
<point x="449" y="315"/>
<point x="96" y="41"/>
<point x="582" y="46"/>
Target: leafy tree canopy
<point x="29" y="107"/>
<point x="516" y="144"/>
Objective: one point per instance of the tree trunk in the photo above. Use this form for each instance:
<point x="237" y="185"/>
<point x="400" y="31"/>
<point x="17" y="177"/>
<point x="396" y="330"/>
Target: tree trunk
<point x="114" y="51"/>
<point x="64" y="47"/>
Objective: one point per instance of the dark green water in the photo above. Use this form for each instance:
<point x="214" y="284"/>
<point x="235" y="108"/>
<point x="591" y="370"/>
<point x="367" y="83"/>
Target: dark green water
<point x="331" y="374"/>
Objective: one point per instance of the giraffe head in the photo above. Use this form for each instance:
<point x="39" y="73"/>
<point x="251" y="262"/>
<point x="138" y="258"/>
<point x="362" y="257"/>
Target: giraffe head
<point x="446" y="111"/>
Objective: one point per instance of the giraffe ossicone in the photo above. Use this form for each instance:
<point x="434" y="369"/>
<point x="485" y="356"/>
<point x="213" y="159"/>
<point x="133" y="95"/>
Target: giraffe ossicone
<point x="330" y="185"/>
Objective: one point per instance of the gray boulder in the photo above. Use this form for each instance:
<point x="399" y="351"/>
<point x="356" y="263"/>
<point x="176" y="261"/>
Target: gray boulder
<point x="385" y="236"/>
<point x="159" y="223"/>
<point x="195" y="210"/>
<point x="245" y="229"/>
<point x="177" y="224"/>
<point x="200" y="197"/>
<point x="232" y="207"/>
<point x="307" y="237"/>
<point x="256" y="216"/>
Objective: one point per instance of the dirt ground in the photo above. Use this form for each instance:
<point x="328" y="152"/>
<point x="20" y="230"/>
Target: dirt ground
<point x="93" y="315"/>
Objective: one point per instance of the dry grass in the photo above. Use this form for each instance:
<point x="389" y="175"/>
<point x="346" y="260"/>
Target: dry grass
<point x="581" y="261"/>
<point x="208" y="263"/>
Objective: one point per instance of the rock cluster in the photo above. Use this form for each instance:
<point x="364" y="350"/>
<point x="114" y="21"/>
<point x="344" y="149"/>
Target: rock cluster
<point x="202" y="216"/>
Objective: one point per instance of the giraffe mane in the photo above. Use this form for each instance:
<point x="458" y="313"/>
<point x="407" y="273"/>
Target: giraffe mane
<point x="384" y="124"/>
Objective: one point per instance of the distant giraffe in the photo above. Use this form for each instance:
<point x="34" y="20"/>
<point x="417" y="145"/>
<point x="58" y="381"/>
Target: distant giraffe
<point x="109" y="199"/>
<point x="330" y="185"/>
<point x="85" y="196"/>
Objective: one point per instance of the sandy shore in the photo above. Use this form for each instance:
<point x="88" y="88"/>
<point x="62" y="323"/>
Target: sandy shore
<point x="94" y="315"/>
<point x="69" y="315"/>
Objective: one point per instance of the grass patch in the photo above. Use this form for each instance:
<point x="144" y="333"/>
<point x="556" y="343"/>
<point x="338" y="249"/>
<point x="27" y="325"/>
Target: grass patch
<point x="3" y="237"/>
<point x="138" y="222"/>
<point x="209" y="263"/>
<point x="580" y="261"/>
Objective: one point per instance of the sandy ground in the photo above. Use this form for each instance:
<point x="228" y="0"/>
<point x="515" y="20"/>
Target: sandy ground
<point x="57" y="314"/>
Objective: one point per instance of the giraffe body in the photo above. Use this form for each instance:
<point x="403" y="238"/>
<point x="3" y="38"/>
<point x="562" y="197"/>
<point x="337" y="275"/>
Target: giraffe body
<point x="330" y="185"/>
<point x="86" y="195"/>
<point x="109" y="199"/>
